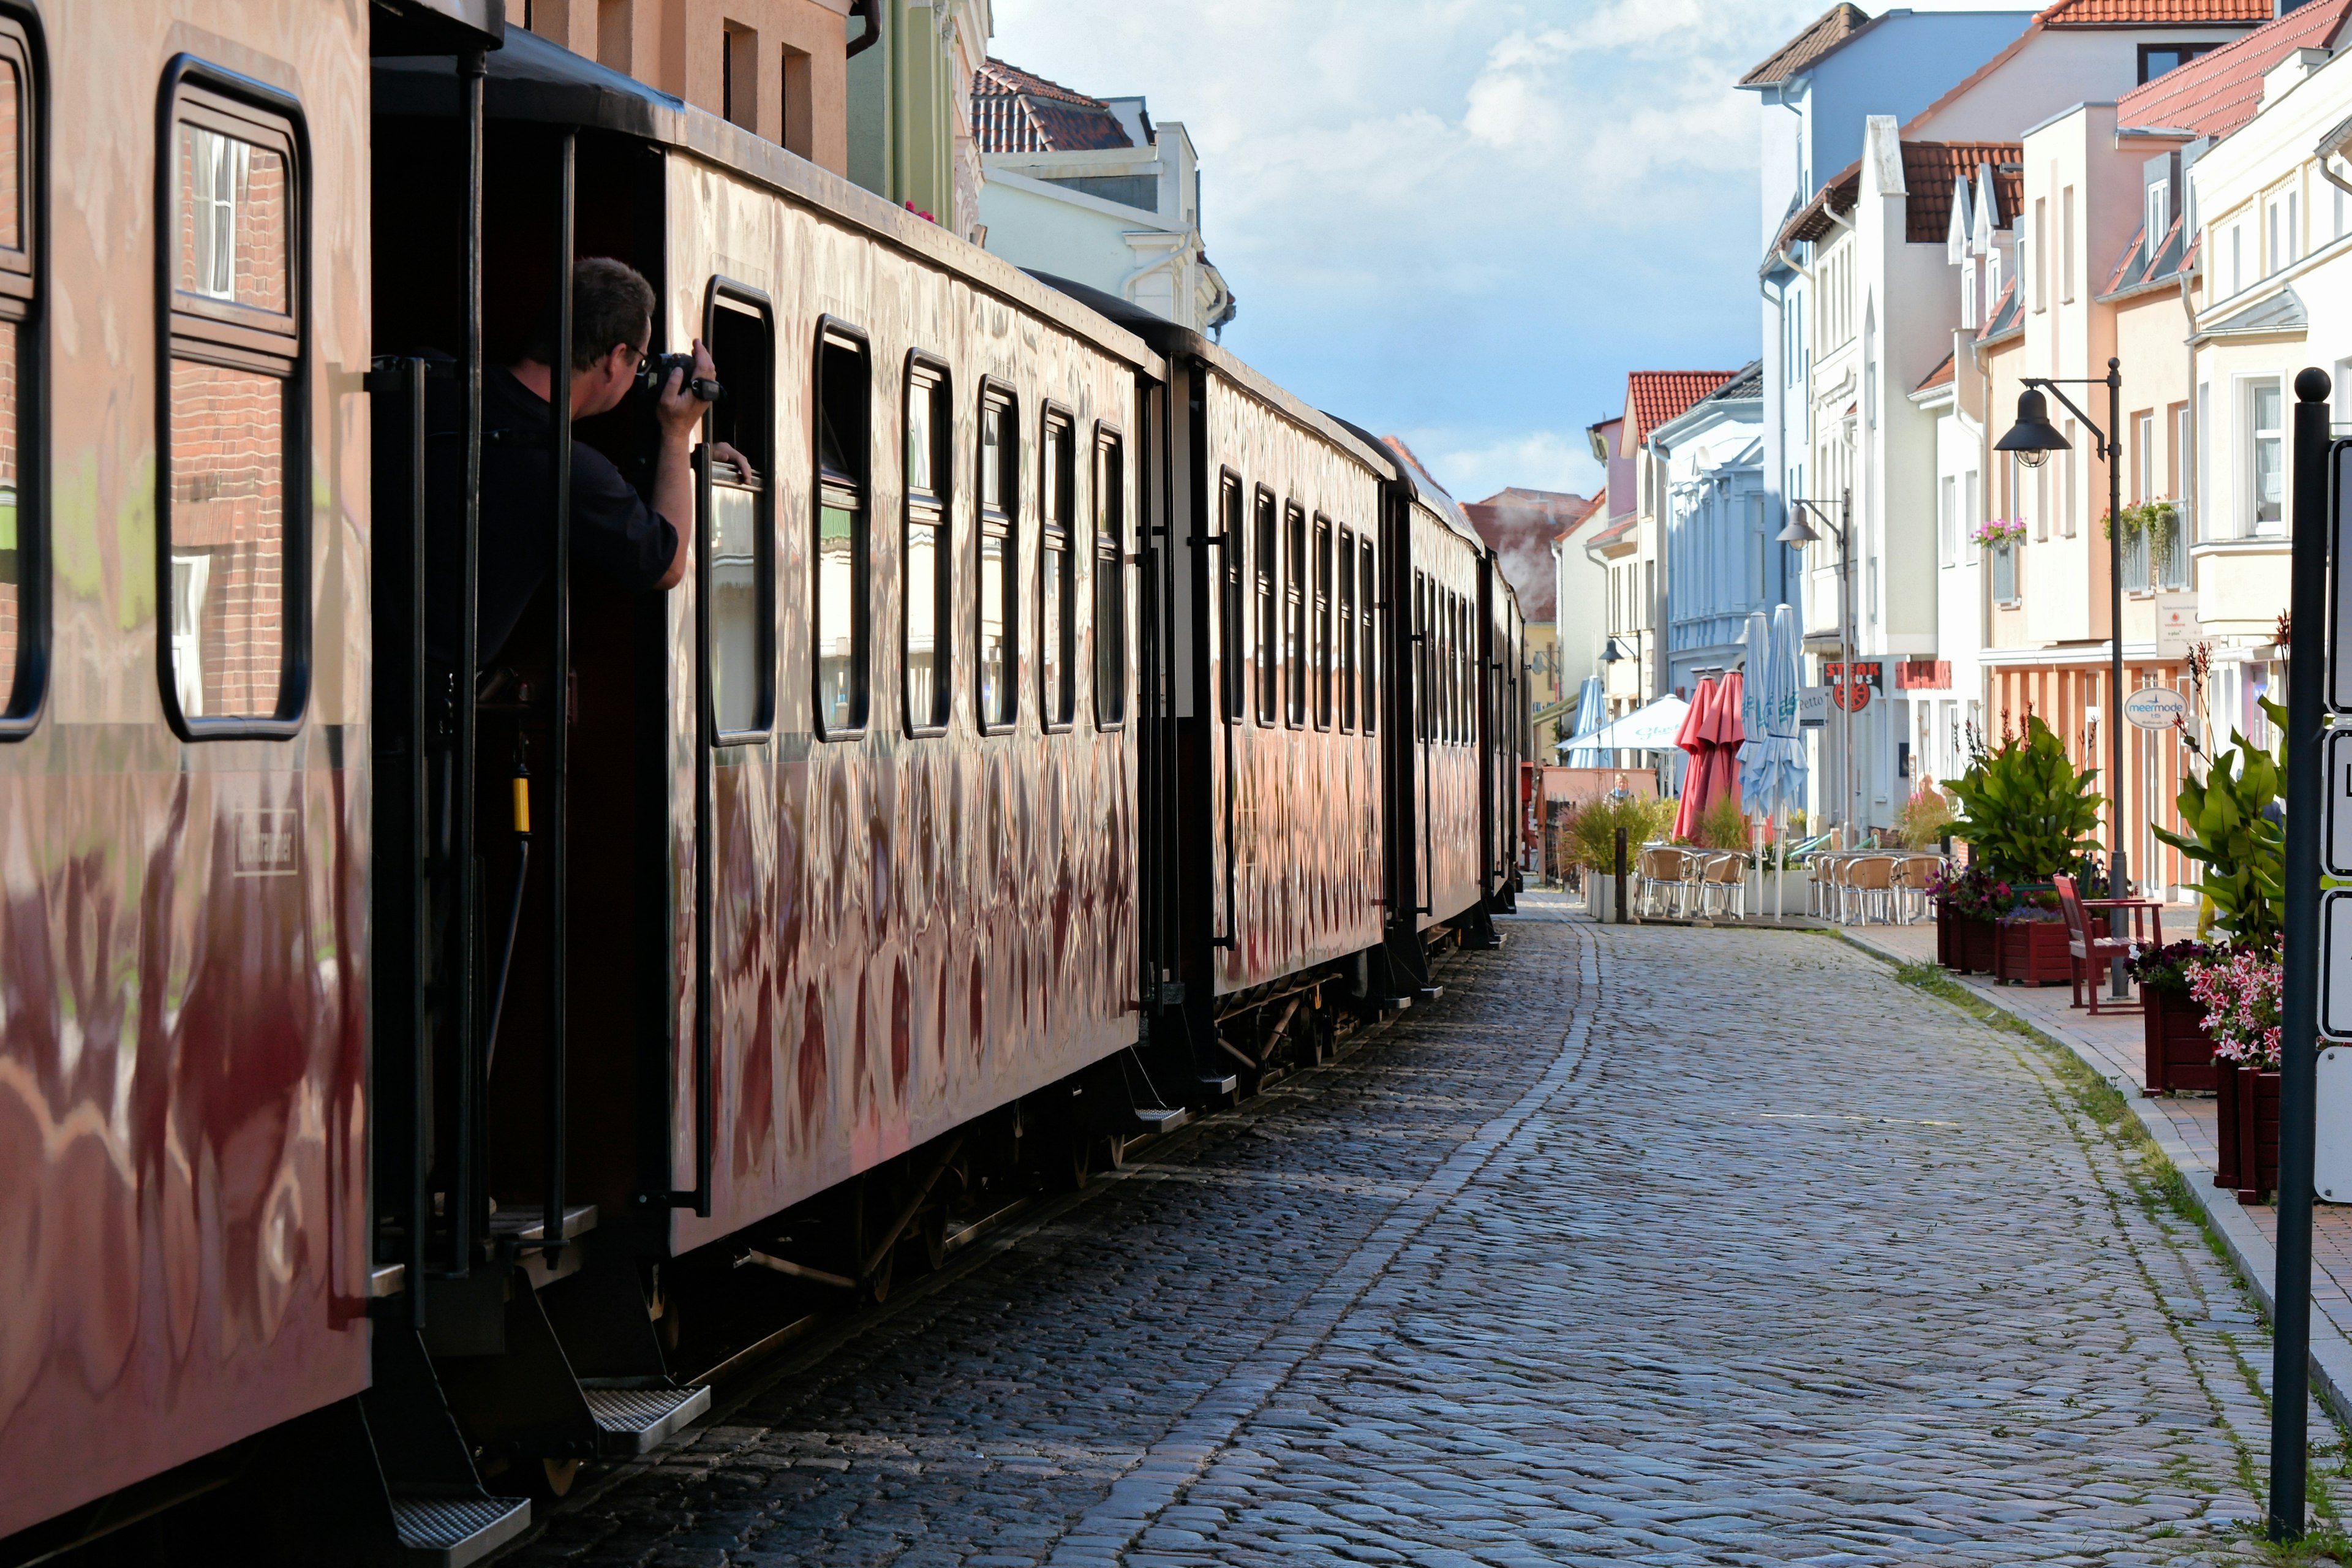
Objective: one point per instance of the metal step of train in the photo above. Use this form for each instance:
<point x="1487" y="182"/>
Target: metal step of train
<point x="631" y="1421"/>
<point x="451" y="1531"/>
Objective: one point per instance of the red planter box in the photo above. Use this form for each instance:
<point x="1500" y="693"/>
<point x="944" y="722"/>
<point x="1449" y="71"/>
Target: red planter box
<point x="1947" y="941"/>
<point x="1974" y="942"/>
<point x="2249" y="1123"/>
<point x="2179" y="1054"/>
<point x="2032" y="952"/>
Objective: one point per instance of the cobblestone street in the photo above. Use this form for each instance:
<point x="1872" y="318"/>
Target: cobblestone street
<point x="1644" y="1244"/>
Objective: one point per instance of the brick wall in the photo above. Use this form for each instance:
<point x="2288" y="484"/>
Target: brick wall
<point x="229" y="471"/>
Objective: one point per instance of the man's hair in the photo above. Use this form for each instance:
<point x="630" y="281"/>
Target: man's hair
<point x="612" y="304"/>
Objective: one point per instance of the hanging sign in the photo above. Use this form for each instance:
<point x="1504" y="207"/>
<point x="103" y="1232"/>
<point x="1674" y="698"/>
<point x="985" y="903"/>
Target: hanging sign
<point x="1852" y="692"/>
<point x="1812" y="707"/>
<point x="2339" y="603"/>
<point x="2336" y="966"/>
<point x="2336" y="821"/>
<point x="2157" y="708"/>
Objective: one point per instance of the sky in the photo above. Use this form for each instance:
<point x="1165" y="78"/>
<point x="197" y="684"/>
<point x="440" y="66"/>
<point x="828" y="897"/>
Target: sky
<point x="1459" y="221"/>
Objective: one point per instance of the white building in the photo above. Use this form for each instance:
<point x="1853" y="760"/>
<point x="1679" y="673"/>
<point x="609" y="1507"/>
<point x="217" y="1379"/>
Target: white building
<point x="1089" y="189"/>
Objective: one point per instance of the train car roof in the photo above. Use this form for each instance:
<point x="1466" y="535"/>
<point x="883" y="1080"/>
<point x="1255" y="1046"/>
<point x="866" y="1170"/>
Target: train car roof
<point x="1171" y="340"/>
<point x="533" y="79"/>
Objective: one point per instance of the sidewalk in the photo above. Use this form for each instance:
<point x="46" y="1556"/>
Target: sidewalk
<point x="2183" y="1127"/>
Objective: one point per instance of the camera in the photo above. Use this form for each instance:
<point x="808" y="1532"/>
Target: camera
<point x="654" y="376"/>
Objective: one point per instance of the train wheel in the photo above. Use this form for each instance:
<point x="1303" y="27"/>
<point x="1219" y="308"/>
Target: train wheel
<point x="933" y="1223"/>
<point x="560" y="1474"/>
<point x="1115" y="1152"/>
<point x="1081" y="1159"/>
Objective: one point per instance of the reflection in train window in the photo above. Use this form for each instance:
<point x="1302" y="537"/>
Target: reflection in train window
<point x="1345" y="660"/>
<point x="998" y="582"/>
<point x="1294" y="617"/>
<point x="1110" y="582"/>
<point x="1057" y="575"/>
<point x="1233" y="674"/>
<point x="21" y="529"/>
<point x="741" y="549"/>
<point x="842" y="554"/>
<point x="1368" y="601"/>
<point x="233" y="489"/>
<point x="1322" y="622"/>
<point x="930" y="579"/>
<point x="1262" y="557"/>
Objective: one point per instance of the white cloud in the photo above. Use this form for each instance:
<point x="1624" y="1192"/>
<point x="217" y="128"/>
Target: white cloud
<point x="1473" y="464"/>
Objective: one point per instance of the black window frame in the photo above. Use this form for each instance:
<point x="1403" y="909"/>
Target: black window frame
<point x="1058" y="711"/>
<point x="23" y="271"/>
<point x="1108" y="563"/>
<point x="1318" y="619"/>
<point x="2189" y="53"/>
<point x="832" y="334"/>
<point x="1368" y="605"/>
<point x="1343" y="622"/>
<point x="1294" y="615"/>
<point x="936" y="379"/>
<point x="725" y="293"/>
<point x="1000" y="520"/>
<point x="1233" y="613"/>
<point x="230" y="336"/>
<point x="1265" y="545"/>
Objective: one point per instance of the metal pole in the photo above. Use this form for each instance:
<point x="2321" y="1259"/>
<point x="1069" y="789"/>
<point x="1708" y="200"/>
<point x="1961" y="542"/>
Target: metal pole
<point x="462" y="978"/>
<point x="559" y="719"/>
<point x="1620" y="877"/>
<point x="2118" y="881"/>
<point x="2299" y="1060"/>
<point x="1845" y="643"/>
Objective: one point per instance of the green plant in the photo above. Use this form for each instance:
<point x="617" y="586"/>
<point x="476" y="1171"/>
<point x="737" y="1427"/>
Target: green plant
<point x="1724" y="825"/>
<point x="2025" y="811"/>
<point x="2230" y="831"/>
<point x="1592" y="834"/>
<point x="1924" y="819"/>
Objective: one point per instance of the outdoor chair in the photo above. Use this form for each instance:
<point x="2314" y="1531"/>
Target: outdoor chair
<point x="1912" y="873"/>
<point x="1665" y="872"/>
<point x="2090" y="949"/>
<point x="1867" y="878"/>
<point x="1724" y="875"/>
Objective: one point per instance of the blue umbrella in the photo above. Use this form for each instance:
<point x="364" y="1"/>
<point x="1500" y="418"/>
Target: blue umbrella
<point x="1591" y="712"/>
<point x="1772" y="769"/>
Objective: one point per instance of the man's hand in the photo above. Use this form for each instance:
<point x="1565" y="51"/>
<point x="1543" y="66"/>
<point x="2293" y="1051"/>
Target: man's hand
<point x="719" y="451"/>
<point x="679" y="410"/>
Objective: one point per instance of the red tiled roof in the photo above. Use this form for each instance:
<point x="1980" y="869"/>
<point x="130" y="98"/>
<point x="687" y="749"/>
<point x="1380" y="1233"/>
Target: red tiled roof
<point x="1929" y="168"/>
<point x="1939" y="376"/>
<point x="1832" y="200"/>
<point x="1830" y="29"/>
<point x="1593" y="509"/>
<point x="1519" y="526"/>
<point x="1655" y="396"/>
<point x="2215" y="94"/>
<point x="1615" y="531"/>
<point x="2155" y="13"/>
<point x="1014" y="111"/>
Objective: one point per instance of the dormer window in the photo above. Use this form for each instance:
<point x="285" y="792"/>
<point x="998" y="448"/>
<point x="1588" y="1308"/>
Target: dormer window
<point x="2159" y="217"/>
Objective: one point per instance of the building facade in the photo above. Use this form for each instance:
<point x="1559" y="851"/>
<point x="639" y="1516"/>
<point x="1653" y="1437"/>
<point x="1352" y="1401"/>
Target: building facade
<point x="1521" y="526"/>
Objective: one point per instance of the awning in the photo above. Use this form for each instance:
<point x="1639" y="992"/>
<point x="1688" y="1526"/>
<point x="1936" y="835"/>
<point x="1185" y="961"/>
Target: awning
<point x="1650" y="729"/>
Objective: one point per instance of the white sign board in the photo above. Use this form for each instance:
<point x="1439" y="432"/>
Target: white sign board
<point x="2176" y="624"/>
<point x="2335" y="965"/>
<point x="2339" y="602"/>
<point x="2335" y="820"/>
<point x="2155" y="707"/>
<point x="1812" y="707"/>
<point x="2331" y="1163"/>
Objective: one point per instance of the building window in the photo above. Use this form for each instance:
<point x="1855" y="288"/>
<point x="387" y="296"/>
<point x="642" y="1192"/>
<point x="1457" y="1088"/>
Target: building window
<point x="2237" y="257"/>
<point x="2068" y="512"/>
<point x="1232" y="670"/>
<point x="1110" y="581"/>
<point x="2155" y="59"/>
<point x="1344" y="578"/>
<point x="796" y="102"/>
<point x="233" y="486"/>
<point x="1057" y="601"/>
<point x="843" y="397"/>
<point x="24" y="534"/>
<point x="1294" y="614"/>
<point x="1368" y="598"/>
<point x="2266" y="408"/>
<point x="738" y="76"/>
<point x="1320" y="620"/>
<point x="2004" y="572"/>
<point x="1000" y="556"/>
<point x="2143" y="456"/>
<point x="738" y="532"/>
<point x="1262" y="561"/>
<point x="930" y="548"/>
<point x="1947" y="517"/>
<point x="2066" y="244"/>
<point x="2157" y="219"/>
<point x="2041" y="252"/>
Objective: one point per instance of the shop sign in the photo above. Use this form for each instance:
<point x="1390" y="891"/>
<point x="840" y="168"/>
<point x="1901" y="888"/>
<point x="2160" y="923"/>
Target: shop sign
<point x="1812" y="707"/>
<point x="1851" y="692"/>
<point x="2157" y="708"/>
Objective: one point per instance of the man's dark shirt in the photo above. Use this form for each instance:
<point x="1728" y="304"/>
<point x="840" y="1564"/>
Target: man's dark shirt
<point x="614" y="533"/>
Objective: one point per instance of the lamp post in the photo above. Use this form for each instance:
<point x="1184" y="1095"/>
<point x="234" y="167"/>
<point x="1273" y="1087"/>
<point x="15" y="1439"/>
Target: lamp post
<point x="2034" y="438"/>
<point x="1797" y="530"/>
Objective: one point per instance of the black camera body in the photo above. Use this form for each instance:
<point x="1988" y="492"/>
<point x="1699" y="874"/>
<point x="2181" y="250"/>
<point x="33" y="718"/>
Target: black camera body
<point x="655" y="373"/>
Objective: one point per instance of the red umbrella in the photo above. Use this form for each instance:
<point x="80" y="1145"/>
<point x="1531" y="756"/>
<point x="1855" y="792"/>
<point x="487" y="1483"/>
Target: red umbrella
<point x="1692" y="738"/>
<point x="1723" y="765"/>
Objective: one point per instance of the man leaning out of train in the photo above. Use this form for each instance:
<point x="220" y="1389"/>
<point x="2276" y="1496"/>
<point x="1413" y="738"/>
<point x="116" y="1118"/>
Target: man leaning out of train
<point x="614" y="532"/>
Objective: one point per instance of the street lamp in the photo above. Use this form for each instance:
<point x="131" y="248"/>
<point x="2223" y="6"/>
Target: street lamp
<point x="2034" y="438"/>
<point x="1797" y="530"/>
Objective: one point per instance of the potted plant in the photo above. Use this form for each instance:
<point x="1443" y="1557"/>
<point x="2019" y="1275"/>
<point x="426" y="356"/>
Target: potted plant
<point x="2179" y="1052"/>
<point x="2229" y="829"/>
<point x="1968" y="901"/>
<point x="2239" y="993"/>
<point x="2028" y="815"/>
<point x="1591" y="836"/>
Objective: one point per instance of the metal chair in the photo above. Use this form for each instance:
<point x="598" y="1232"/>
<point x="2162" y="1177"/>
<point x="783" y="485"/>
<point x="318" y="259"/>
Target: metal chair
<point x="1724" y="873"/>
<point x="1869" y="876"/>
<point x="1667" y="869"/>
<point x="2090" y="951"/>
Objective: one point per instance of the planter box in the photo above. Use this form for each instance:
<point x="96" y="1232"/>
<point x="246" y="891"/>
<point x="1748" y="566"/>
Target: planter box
<point x="1947" y="940"/>
<point x="1973" y="944"/>
<point x="2031" y="952"/>
<point x="2248" y="1102"/>
<point x="2179" y="1054"/>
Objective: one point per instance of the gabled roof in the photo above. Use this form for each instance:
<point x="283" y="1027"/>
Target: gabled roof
<point x="2216" y="93"/>
<point x="1832" y="201"/>
<point x="2281" y="313"/>
<point x="1519" y="526"/>
<point x="2143" y="268"/>
<point x="1828" y="32"/>
<point x="1013" y="111"/>
<point x="1745" y="383"/>
<point x="1942" y="375"/>
<point x="2074" y="14"/>
<point x="1594" y="511"/>
<point x="1930" y="170"/>
<point x="2006" y="317"/>
<point x="1655" y="396"/>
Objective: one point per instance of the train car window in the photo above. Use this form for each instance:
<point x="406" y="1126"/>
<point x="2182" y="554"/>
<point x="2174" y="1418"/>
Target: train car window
<point x="1233" y="672"/>
<point x="738" y="532"/>
<point x="1456" y="636"/>
<point x="1321" y="622"/>
<point x="1110" y="582"/>
<point x="842" y="553"/>
<point x="1057" y="477"/>
<point x="1421" y="724"/>
<point x="1000" y="522"/>
<point x="1344" y="660"/>
<point x="23" y="533"/>
<point x="1263" y="559"/>
<point x="1294" y="614"/>
<point x="1368" y="602"/>
<point x="232" y="488"/>
<point x="929" y="584"/>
